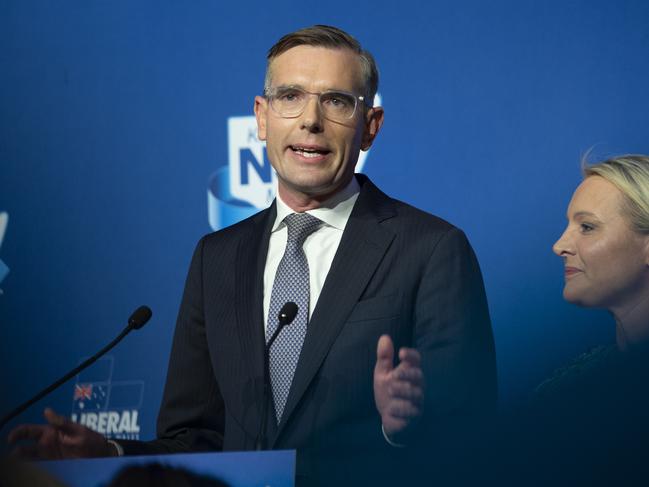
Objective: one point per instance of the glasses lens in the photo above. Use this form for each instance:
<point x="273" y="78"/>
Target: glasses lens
<point x="288" y="101"/>
<point x="338" y="105"/>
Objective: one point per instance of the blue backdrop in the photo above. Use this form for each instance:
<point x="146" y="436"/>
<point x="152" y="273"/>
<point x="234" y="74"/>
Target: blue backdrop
<point x="114" y="121"/>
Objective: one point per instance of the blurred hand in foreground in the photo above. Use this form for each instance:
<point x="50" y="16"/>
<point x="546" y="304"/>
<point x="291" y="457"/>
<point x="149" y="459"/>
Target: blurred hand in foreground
<point x="59" y="439"/>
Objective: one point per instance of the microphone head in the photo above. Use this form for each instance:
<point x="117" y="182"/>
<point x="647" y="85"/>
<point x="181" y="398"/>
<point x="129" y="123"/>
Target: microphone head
<point x="139" y="317"/>
<point x="287" y="314"/>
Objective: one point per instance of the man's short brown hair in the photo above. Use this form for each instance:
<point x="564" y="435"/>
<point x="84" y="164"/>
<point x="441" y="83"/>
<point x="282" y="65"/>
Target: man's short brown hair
<point x="333" y="38"/>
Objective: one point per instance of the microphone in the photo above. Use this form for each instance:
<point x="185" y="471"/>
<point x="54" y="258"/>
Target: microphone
<point x="285" y="317"/>
<point x="136" y="321"/>
<point x="140" y="317"/>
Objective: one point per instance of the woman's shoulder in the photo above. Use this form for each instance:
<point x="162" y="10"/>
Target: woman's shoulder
<point x="587" y="370"/>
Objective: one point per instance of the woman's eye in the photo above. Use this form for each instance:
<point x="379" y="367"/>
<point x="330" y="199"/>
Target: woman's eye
<point x="586" y="227"/>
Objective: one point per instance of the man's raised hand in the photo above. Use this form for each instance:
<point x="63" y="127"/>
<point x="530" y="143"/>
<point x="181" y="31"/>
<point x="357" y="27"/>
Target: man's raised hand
<point x="398" y="391"/>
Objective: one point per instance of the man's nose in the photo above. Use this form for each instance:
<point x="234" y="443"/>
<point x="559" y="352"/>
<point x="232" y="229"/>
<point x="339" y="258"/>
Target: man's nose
<point x="312" y="114"/>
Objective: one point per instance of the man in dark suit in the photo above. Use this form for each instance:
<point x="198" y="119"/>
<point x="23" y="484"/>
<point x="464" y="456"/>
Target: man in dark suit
<point x="371" y="275"/>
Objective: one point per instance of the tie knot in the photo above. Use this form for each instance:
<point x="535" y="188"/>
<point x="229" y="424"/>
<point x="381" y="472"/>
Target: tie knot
<point x="300" y="226"/>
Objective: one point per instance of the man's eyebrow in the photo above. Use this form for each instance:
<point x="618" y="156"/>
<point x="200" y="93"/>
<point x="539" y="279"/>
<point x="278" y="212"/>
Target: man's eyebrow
<point x="300" y="87"/>
<point x="285" y="87"/>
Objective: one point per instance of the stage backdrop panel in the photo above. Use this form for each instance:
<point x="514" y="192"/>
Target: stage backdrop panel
<point x="126" y="134"/>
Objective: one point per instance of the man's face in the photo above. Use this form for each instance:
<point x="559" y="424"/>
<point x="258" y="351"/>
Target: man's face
<point x="314" y="157"/>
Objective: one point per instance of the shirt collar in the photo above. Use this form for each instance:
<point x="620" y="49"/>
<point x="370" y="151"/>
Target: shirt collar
<point x="333" y="212"/>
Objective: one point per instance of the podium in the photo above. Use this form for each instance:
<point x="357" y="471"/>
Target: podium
<point x="235" y="469"/>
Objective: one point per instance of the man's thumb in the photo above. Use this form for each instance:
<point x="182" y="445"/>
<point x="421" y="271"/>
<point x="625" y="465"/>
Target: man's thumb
<point x="384" y="355"/>
<point x="58" y="421"/>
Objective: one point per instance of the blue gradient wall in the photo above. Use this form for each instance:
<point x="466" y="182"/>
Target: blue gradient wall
<point x="114" y="115"/>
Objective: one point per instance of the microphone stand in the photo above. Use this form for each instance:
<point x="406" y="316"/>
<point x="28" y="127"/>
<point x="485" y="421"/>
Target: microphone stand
<point x="135" y="322"/>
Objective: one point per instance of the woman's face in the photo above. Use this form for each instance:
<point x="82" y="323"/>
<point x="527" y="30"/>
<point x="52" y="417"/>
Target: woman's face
<point x="606" y="262"/>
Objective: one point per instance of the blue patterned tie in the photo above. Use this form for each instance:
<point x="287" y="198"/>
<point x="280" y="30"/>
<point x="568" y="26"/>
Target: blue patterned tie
<point x="291" y="284"/>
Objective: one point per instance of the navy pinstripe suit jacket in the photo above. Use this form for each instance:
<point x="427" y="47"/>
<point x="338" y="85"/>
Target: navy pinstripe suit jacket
<point x="397" y="270"/>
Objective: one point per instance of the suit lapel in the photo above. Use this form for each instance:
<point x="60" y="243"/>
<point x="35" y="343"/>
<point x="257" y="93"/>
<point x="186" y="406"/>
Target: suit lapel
<point x="249" y="295"/>
<point x="362" y="247"/>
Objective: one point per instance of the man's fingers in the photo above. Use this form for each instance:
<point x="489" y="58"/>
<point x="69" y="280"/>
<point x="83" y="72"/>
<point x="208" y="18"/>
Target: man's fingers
<point x="402" y="409"/>
<point x="43" y="446"/>
<point x="407" y="374"/>
<point x="26" y="432"/>
<point x="53" y="418"/>
<point x="406" y="391"/>
<point x="36" y="431"/>
<point x="60" y="422"/>
<point x="384" y="355"/>
<point x="398" y="391"/>
<point x="410" y="357"/>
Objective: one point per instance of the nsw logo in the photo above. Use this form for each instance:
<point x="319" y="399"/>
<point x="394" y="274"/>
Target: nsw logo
<point x="247" y="184"/>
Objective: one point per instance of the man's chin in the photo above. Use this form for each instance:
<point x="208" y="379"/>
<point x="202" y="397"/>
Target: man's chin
<point x="317" y="188"/>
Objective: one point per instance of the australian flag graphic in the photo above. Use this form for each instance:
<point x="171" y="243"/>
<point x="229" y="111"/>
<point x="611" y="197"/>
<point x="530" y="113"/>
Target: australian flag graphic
<point x="90" y="397"/>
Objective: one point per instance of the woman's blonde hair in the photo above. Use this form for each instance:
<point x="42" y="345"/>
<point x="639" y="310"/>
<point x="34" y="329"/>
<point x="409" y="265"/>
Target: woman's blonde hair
<point x="630" y="174"/>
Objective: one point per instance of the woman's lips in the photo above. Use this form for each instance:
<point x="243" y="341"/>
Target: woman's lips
<point x="571" y="271"/>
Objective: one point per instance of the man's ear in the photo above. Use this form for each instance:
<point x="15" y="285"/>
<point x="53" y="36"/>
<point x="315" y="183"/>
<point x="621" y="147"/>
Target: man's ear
<point x="261" y="109"/>
<point x="373" y="123"/>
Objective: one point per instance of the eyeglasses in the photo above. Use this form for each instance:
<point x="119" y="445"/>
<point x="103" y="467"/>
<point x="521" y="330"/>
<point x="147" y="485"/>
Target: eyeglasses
<point x="290" y="101"/>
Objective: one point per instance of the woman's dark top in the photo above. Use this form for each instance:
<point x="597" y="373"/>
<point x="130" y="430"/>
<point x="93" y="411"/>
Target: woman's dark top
<point x="588" y="424"/>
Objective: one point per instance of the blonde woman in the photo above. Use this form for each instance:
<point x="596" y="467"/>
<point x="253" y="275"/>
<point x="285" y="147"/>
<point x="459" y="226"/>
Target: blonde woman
<point x="590" y="420"/>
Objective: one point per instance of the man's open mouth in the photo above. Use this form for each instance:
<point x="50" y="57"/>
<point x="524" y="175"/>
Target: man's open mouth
<point x="309" y="151"/>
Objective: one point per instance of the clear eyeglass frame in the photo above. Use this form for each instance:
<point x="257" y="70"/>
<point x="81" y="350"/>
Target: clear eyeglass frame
<point x="273" y="95"/>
